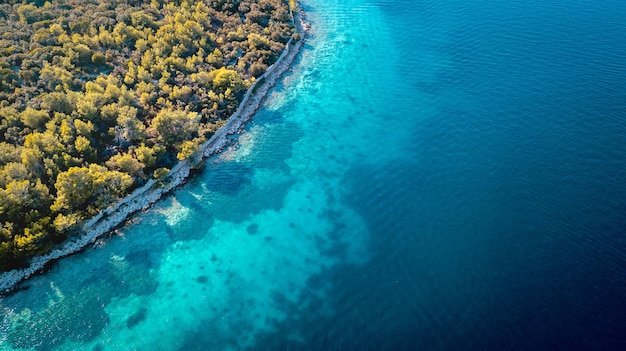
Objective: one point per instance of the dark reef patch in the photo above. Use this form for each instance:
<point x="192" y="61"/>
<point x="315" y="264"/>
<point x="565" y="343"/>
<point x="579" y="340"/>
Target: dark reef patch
<point x="252" y="228"/>
<point x="136" y="318"/>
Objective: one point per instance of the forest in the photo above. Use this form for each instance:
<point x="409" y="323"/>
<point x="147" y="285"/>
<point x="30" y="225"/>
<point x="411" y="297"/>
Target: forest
<point x="99" y="96"/>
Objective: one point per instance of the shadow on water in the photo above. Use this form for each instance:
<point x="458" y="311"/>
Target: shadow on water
<point x="228" y="179"/>
<point x="140" y="258"/>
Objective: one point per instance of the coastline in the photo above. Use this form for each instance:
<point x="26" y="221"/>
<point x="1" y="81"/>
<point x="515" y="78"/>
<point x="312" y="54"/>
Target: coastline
<point x="146" y="196"/>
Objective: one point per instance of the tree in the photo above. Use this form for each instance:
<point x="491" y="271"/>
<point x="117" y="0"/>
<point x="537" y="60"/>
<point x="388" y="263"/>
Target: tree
<point x="32" y="159"/>
<point x="47" y="142"/>
<point x="127" y="164"/>
<point x="129" y="128"/>
<point x="182" y="93"/>
<point x="83" y="128"/>
<point x="13" y="171"/>
<point x="6" y="255"/>
<point x="256" y="41"/>
<point x="175" y="126"/>
<point x="79" y="187"/>
<point x="215" y="58"/>
<point x="74" y="187"/>
<point x="109" y="185"/>
<point x="98" y="59"/>
<point x="227" y="78"/>
<point x="81" y="54"/>
<point x="57" y="78"/>
<point x="29" y="13"/>
<point x="34" y="119"/>
<point x="83" y="146"/>
<point x="188" y="148"/>
<point x="257" y="69"/>
<point x="9" y="153"/>
<point x="34" y="239"/>
<point x="160" y="173"/>
<point x="19" y="196"/>
<point x="58" y="102"/>
<point x="148" y="155"/>
<point x="66" y="223"/>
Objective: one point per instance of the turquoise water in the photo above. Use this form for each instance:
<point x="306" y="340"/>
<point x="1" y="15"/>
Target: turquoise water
<point x="436" y="175"/>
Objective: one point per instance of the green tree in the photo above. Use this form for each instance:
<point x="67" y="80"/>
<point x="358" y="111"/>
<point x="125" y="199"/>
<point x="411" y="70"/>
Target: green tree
<point x="98" y="59"/>
<point x="149" y="155"/>
<point x="29" y="13"/>
<point x="83" y="128"/>
<point x="67" y="223"/>
<point x="19" y="196"/>
<point x="79" y="187"/>
<point x="34" y="239"/>
<point x="227" y="78"/>
<point x="58" y="102"/>
<point x="9" y="153"/>
<point x="127" y="164"/>
<point x="189" y="148"/>
<point x="13" y="171"/>
<point x="34" y="119"/>
<point x="84" y="148"/>
<point x="175" y="126"/>
<point x="129" y="128"/>
<point x="160" y="173"/>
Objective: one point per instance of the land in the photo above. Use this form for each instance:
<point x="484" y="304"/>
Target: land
<point x="86" y="231"/>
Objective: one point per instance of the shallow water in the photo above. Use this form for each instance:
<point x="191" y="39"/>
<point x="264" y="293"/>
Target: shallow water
<point x="431" y="175"/>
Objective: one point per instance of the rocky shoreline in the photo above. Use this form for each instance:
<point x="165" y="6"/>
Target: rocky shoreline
<point x="147" y="195"/>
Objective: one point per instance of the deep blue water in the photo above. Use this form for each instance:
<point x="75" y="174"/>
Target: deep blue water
<point x="433" y="175"/>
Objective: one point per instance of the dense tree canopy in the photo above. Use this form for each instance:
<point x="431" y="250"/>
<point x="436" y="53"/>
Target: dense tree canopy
<point x="99" y="96"/>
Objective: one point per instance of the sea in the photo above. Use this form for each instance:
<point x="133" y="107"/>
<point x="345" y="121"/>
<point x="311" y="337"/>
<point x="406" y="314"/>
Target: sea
<point x="430" y="175"/>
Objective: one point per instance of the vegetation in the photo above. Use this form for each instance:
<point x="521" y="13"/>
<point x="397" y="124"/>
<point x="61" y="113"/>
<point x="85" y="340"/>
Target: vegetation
<point x="99" y="96"/>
